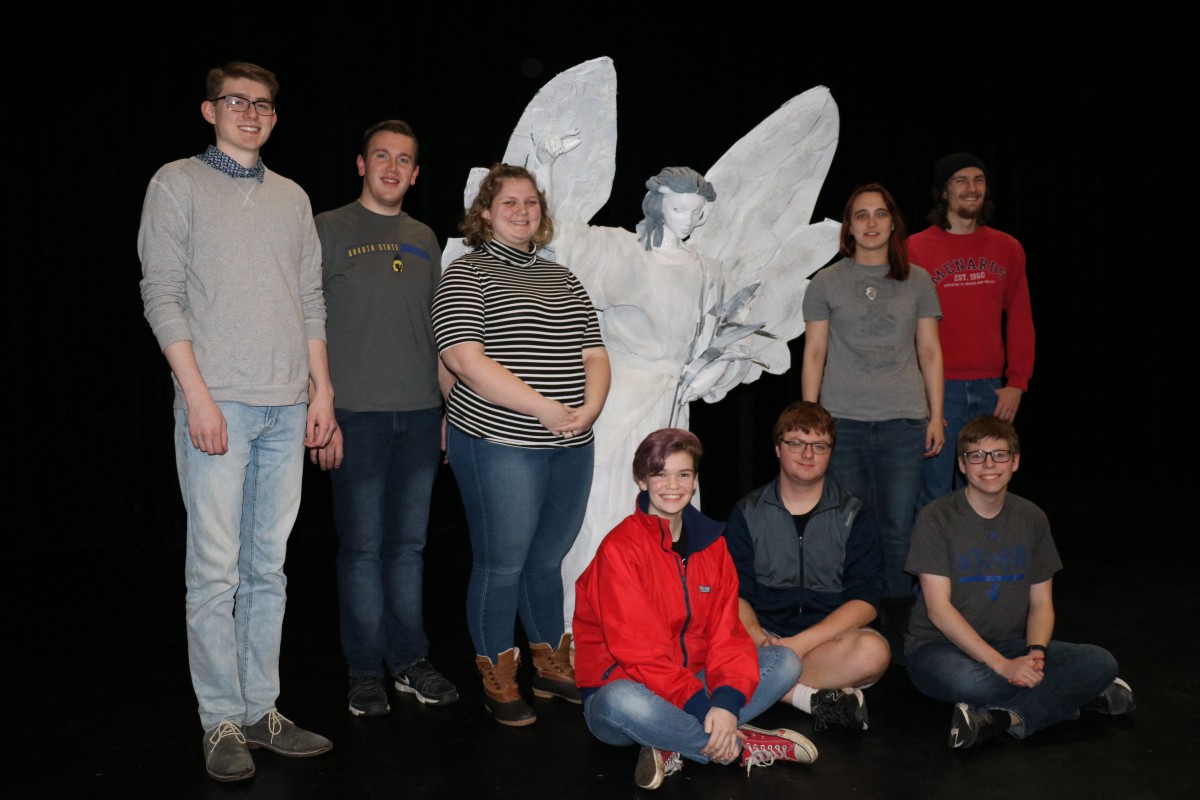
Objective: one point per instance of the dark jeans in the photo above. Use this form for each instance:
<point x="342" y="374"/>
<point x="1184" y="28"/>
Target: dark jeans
<point x="381" y="499"/>
<point x="1075" y="673"/>
<point x="881" y="462"/>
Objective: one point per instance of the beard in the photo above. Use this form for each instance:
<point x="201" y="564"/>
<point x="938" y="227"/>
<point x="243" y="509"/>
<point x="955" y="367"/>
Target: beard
<point x="972" y="211"/>
<point x="967" y="211"/>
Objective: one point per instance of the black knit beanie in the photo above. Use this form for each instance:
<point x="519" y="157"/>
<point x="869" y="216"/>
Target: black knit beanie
<point x="945" y="168"/>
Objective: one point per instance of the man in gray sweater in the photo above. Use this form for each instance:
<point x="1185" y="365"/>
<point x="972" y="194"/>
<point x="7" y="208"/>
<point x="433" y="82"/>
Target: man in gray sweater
<point x="231" y="286"/>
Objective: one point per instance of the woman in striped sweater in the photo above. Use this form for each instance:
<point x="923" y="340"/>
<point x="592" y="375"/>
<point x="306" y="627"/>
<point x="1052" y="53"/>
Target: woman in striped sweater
<point x="526" y="375"/>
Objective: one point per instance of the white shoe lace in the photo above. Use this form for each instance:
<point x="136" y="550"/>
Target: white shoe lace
<point x="226" y="728"/>
<point x="759" y="757"/>
<point x="275" y="722"/>
<point x="672" y="764"/>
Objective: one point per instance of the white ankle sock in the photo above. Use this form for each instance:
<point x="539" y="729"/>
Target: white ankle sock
<point x="802" y="697"/>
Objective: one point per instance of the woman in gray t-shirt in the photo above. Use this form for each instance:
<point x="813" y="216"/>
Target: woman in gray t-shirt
<point x="872" y="358"/>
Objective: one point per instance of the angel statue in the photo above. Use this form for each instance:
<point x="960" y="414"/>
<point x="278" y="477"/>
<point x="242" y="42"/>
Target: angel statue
<point x="706" y="293"/>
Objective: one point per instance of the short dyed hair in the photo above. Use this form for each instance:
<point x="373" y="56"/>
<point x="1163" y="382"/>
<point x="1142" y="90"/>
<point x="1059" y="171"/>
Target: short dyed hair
<point x="897" y="241"/>
<point x="804" y="415"/>
<point x="988" y="426"/>
<point x="396" y="126"/>
<point x="239" y="69"/>
<point x="655" y="449"/>
<point x="475" y="228"/>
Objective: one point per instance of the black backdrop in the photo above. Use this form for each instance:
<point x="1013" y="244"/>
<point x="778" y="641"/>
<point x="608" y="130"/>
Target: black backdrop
<point x="1078" y="120"/>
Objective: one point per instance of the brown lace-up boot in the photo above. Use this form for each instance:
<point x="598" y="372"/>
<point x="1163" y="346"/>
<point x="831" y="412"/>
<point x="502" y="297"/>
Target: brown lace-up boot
<point x="555" y="676"/>
<point x="501" y="696"/>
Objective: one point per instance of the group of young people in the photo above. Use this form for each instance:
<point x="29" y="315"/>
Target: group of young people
<point x="685" y="629"/>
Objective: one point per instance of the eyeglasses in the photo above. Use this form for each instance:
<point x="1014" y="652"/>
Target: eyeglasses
<point x="239" y="104"/>
<point x="979" y="456"/>
<point x="798" y="446"/>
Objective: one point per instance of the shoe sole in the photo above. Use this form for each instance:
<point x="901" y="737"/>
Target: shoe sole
<point x="288" y="753"/>
<point x="241" y="776"/>
<point x="370" y="712"/>
<point x="1132" y="700"/>
<point x="649" y="773"/>
<point x="404" y="688"/>
<point x="803" y="747"/>
<point x="512" y="723"/>
<point x="961" y="717"/>
<point x="860" y="713"/>
<point x="546" y="694"/>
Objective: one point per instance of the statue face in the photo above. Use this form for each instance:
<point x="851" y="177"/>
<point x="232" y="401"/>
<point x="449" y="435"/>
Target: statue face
<point x="682" y="213"/>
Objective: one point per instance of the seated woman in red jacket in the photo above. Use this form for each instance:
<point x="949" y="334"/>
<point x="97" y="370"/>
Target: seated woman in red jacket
<point x="661" y="658"/>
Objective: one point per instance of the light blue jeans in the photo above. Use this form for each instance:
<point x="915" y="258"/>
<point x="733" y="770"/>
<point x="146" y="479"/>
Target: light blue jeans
<point x="1075" y="674"/>
<point x="627" y="712"/>
<point x="964" y="401"/>
<point x="524" y="509"/>
<point x="881" y="463"/>
<point x="240" y="510"/>
<point x="381" y="498"/>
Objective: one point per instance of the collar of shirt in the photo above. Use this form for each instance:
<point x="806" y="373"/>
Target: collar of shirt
<point x="223" y="163"/>
<point x="510" y="255"/>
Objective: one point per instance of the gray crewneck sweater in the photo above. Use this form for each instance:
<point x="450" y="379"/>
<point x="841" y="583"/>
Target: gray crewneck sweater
<point x="234" y="267"/>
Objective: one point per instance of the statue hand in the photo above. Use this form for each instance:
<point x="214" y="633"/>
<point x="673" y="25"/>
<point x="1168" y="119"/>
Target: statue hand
<point x="556" y="145"/>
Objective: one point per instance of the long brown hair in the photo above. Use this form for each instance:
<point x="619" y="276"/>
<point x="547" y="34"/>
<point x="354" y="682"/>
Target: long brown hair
<point x="897" y="241"/>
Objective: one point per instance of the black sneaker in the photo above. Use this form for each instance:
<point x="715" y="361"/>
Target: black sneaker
<point x="368" y="697"/>
<point x="1116" y="699"/>
<point x="423" y="680"/>
<point x="839" y="707"/>
<point x="969" y="726"/>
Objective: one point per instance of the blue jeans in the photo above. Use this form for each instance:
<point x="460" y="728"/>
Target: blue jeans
<point x="964" y="401"/>
<point x="240" y="510"/>
<point x="1075" y="673"/>
<point x="881" y="462"/>
<point x="381" y="496"/>
<point x="524" y="508"/>
<point x="627" y="712"/>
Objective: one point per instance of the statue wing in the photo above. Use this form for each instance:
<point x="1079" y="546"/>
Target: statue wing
<point x="583" y="100"/>
<point x="760" y="228"/>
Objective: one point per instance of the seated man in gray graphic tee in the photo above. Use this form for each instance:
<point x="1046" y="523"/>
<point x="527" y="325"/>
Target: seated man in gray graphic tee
<point x="979" y="636"/>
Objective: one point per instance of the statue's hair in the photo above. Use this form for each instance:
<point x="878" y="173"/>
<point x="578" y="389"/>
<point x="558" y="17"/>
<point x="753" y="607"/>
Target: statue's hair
<point x="680" y="180"/>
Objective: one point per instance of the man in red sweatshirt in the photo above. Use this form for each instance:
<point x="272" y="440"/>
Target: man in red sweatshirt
<point x="987" y="326"/>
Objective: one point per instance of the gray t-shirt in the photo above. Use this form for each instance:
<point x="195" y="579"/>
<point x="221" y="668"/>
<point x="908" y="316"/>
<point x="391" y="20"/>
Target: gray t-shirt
<point x="991" y="563"/>
<point x="380" y="275"/>
<point x="871" y="368"/>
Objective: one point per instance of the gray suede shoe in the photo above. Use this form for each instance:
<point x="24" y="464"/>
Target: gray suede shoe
<point x="279" y="734"/>
<point x="225" y="755"/>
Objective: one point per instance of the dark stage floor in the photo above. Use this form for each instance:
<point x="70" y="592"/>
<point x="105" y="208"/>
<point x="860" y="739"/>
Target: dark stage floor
<point x="104" y="707"/>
